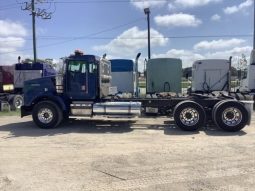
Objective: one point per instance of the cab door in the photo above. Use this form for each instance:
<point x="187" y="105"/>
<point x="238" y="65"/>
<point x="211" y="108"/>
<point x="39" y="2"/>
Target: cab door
<point x="81" y="80"/>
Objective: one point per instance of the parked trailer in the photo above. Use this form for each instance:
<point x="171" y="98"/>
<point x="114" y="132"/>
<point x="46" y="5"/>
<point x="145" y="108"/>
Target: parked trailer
<point x="83" y="90"/>
<point x="12" y="80"/>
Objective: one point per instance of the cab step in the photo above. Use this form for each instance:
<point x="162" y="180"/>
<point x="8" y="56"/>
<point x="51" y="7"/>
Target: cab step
<point x="79" y="108"/>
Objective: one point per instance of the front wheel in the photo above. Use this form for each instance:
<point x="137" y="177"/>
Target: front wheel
<point x="47" y="115"/>
<point x="230" y="116"/>
<point x="189" y="115"/>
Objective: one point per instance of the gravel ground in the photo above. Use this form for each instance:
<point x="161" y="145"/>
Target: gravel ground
<point x="147" y="154"/>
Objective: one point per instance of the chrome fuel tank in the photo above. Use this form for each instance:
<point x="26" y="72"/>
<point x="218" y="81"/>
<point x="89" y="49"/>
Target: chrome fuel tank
<point x="117" y="108"/>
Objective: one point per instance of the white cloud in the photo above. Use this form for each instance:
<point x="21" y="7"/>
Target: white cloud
<point x="218" y="44"/>
<point x="10" y="28"/>
<point x="131" y="41"/>
<point x="237" y="51"/>
<point x="171" y="7"/>
<point x="11" y="39"/>
<point x="173" y="4"/>
<point x="237" y="8"/>
<point x="194" y="3"/>
<point x="187" y="56"/>
<point x="148" y="3"/>
<point x="177" y="20"/>
<point x="216" y="17"/>
<point x="11" y="43"/>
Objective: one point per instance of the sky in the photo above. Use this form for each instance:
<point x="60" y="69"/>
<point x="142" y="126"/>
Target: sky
<point x="186" y="29"/>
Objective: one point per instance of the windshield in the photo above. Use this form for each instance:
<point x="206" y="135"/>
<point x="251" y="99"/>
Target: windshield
<point x="82" y="66"/>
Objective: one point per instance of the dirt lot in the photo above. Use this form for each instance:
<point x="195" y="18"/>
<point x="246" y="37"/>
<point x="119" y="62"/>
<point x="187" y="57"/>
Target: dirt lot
<point x="148" y="154"/>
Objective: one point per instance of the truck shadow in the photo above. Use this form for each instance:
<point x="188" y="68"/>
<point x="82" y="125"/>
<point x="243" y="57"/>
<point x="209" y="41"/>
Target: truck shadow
<point x="215" y="131"/>
<point x="210" y="130"/>
<point x="29" y="129"/>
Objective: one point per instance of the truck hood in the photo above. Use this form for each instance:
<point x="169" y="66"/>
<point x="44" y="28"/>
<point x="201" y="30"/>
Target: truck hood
<point x="39" y="87"/>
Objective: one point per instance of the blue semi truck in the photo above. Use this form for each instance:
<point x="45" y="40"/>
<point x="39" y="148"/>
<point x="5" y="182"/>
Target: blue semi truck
<point x="83" y="90"/>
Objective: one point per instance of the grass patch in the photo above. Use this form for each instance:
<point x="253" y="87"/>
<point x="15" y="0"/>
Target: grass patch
<point x="10" y="113"/>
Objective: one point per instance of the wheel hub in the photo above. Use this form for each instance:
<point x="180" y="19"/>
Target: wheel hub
<point x="18" y="103"/>
<point x="45" y="115"/>
<point x="232" y="116"/>
<point x="189" y="116"/>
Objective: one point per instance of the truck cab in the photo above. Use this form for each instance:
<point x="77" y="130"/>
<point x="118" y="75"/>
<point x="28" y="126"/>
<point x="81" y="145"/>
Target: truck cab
<point x="82" y="89"/>
<point x="85" y="77"/>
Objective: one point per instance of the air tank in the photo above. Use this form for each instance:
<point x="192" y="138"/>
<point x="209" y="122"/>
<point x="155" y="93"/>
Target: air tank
<point x="117" y="108"/>
<point x="164" y="75"/>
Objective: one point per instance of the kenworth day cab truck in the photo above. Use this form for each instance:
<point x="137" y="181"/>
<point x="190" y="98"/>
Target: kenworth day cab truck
<point x="82" y="90"/>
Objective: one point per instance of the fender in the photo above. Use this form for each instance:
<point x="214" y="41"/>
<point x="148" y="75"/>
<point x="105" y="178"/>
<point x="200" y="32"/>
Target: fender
<point x="28" y="107"/>
<point x="56" y="99"/>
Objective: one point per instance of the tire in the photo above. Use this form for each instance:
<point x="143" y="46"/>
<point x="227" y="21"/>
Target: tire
<point x="189" y="116"/>
<point x="47" y="115"/>
<point x="216" y="107"/>
<point x="16" y="102"/>
<point x="230" y="116"/>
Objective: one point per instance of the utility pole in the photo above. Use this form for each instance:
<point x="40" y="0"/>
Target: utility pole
<point x="147" y="12"/>
<point x="30" y="6"/>
<point x="254" y="25"/>
<point x="252" y="57"/>
<point x="34" y="32"/>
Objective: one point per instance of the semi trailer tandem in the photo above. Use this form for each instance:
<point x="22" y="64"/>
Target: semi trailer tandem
<point x="12" y="80"/>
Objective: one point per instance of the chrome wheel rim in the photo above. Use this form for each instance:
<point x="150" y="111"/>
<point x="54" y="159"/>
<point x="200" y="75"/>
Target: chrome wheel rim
<point x="45" y="115"/>
<point x="18" y="103"/>
<point x="232" y="116"/>
<point x="189" y="116"/>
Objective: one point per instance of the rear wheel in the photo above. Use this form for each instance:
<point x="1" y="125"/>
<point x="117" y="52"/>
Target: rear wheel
<point x="18" y="101"/>
<point x="189" y="116"/>
<point x="47" y="114"/>
<point x="230" y="116"/>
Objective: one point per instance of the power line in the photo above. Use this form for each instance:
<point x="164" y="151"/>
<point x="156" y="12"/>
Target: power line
<point x="107" y="1"/>
<point x="18" y="4"/>
<point x="10" y="6"/>
<point x="104" y="38"/>
<point x="86" y="2"/>
<point x="36" y="12"/>
<point x="81" y="37"/>
<point x="130" y="38"/>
